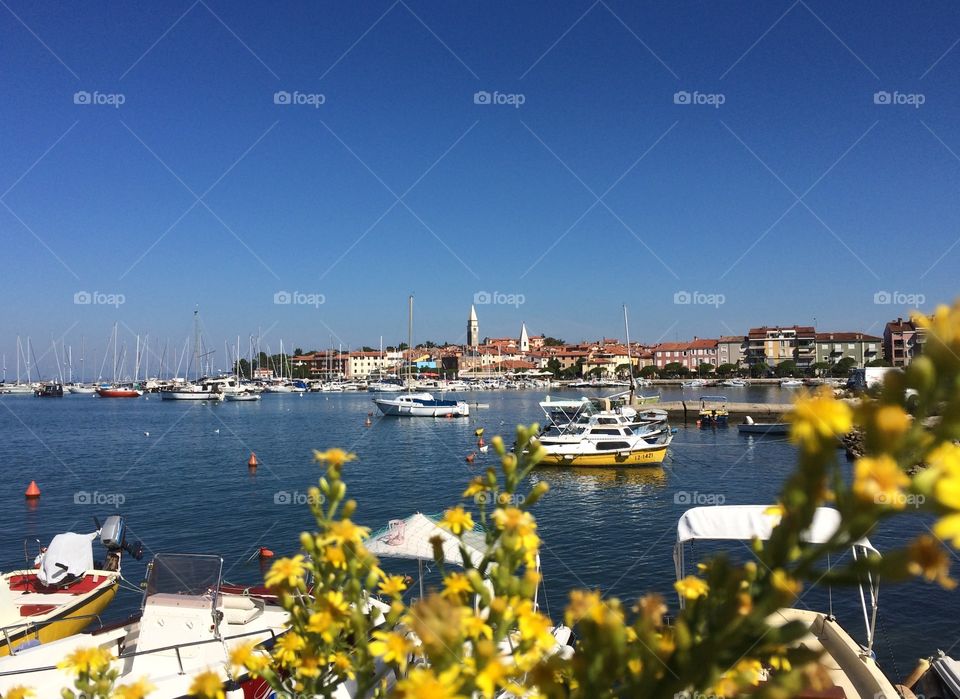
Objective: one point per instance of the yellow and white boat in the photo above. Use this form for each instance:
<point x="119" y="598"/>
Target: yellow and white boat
<point x="598" y="444"/>
<point x="64" y="592"/>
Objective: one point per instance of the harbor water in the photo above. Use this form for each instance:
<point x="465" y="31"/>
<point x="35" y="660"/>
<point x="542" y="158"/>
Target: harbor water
<point x="178" y="472"/>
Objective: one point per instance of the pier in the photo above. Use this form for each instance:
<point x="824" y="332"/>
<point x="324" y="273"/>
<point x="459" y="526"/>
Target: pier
<point x="688" y="410"/>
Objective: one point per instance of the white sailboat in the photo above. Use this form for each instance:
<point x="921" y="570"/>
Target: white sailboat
<point x="18" y="388"/>
<point x="419" y="404"/>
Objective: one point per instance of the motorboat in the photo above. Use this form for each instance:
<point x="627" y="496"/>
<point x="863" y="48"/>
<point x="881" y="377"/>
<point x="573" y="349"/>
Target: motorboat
<point x="693" y="383"/>
<point x="562" y="413"/>
<point x="82" y="389"/>
<point x="385" y="387"/>
<point x="205" y="389"/>
<point x="713" y="411"/>
<point x="595" y="444"/>
<point x="16" y="389"/>
<point x="851" y="667"/>
<point x="65" y="591"/>
<point x="53" y="389"/>
<point x="790" y="383"/>
<point x="748" y="426"/>
<point x="421" y="405"/>
<point x="187" y="624"/>
<point x="244" y="397"/>
<point x="735" y="383"/>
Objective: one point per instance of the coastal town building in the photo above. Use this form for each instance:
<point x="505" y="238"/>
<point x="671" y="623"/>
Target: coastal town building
<point x="732" y="349"/>
<point x="690" y="355"/>
<point x="836" y="346"/>
<point x="902" y="341"/>
<point x="775" y="345"/>
<point x="473" y="329"/>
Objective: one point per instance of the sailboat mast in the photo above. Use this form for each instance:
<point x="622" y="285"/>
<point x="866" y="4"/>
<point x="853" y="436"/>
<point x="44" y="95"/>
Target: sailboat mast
<point x="626" y="329"/>
<point x="410" y="340"/>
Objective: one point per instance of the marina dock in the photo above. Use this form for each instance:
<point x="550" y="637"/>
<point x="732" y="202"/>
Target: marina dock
<point x="688" y="409"/>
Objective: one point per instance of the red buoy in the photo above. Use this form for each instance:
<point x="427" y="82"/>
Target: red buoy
<point x="471" y="457"/>
<point x="480" y="442"/>
<point x="33" y="491"/>
<point x="252" y="461"/>
<point x="265" y="552"/>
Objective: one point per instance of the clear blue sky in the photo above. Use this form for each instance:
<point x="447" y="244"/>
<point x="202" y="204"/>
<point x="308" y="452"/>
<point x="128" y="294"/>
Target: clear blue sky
<point x="493" y="197"/>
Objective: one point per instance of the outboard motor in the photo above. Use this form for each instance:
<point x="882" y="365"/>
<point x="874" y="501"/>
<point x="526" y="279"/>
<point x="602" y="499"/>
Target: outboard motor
<point x="113" y="536"/>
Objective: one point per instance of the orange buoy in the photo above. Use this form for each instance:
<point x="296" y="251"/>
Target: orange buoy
<point x="368" y="422"/>
<point x="252" y="461"/>
<point x="33" y="491"/>
<point x="470" y="457"/>
<point x="265" y="552"/>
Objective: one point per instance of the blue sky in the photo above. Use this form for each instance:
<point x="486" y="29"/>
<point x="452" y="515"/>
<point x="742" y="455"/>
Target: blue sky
<point x="799" y="197"/>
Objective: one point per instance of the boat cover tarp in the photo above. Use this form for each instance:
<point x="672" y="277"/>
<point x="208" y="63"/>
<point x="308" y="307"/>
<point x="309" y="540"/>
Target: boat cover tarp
<point x="410" y="538"/>
<point x="745" y="522"/>
<point x="68" y="555"/>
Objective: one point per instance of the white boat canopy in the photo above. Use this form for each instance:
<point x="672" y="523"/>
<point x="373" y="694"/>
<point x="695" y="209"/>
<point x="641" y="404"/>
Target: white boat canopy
<point x="746" y="522"/>
<point x="410" y="538"/>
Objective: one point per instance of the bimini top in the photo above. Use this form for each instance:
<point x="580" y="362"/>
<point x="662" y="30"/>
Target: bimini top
<point x="745" y="522"/>
<point x="410" y="538"/>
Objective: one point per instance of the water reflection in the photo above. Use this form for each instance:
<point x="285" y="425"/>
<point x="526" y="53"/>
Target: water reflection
<point x="589" y="480"/>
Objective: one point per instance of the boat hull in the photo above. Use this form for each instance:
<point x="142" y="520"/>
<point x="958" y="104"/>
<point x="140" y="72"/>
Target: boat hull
<point x="62" y="624"/>
<point x="399" y="409"/>
<point x="119" y="393"/>
<point x="188" y="395"/>
<point x="765" y="428"/>
<point x="639" y="457"/>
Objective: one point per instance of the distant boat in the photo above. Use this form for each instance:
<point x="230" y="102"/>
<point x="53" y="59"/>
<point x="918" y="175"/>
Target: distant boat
<point x="118" y="391"/>
<point x="790" y="383"/>
<point x="713" y="411"/>
<point x="82" y="389"/>
<point x="53" y="389"/>
<point x="421" y="405"/>
<point x="751" y="427"/>
<point x="693" y="383"/>
<point x="242" y="397"/>
<point x="735" y="383"/>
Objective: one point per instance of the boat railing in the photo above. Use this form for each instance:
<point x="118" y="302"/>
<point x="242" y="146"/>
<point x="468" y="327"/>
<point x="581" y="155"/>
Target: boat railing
<point x="175" y="647"/>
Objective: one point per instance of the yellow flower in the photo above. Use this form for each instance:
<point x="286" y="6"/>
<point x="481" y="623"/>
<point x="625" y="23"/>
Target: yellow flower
<point x="246" y="656"/>
<point x="137" y="690"/>
<point x="652" y="608"/>
<point x="780" y="662"/>
<point x="342" y="666"/>
<point x="456" y="586"/>
<point x="474" y="626"/>
<point x="879" y="481"/>
<point x="520" y="530"/>
<point x="491" y="677"/>
<point x="785" y="584"/>
<point x="457" y="520"/>
<point x="392" y="647"/>
<point x="927" y="558"/>
<point x="335" y="556"/>
<point x="19" y="692"/>
<point x="323" y="624"/>
<point x="534" y="627"/>
<point x="584" y="604"/>
<point x="345" y="532"/>
<point x="817" y="418"/>
<point x="286" y="573"/>
<point x="943" y="331"/>
<point x="949" y="528"/>
<point x="423" y="683"/>
<point x="288" y="648"/>
<point x="776" y="511"/>
<point x="86" y="661"/>
<point x="944" y="461"/>
<point x="692" y="587"/>
<point x="334" y="601"/>
<point x="207" y="685"/>
<point x="475" y="487"/>
<point x="892" y="421"/>
<point x="335" y="457"/>
<point x="393" y="585"/>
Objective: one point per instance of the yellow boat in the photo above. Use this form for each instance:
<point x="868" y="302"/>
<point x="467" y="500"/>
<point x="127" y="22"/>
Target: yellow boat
<point x="65" y="592"/>
<point x="597" y="444"/>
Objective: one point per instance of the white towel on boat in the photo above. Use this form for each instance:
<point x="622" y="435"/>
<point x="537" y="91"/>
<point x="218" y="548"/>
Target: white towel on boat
<point x="68" y="554"/>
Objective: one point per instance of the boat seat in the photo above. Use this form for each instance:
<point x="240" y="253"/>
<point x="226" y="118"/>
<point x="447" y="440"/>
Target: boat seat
<point x="240" y="609"/>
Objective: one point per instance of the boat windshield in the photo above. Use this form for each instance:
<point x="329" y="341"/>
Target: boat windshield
<point x="184" y="574"/>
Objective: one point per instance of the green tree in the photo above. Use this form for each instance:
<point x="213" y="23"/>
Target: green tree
<point x="819" y="368"/>
<point x="553" y="342"/>
<point x="786" y="368"/>
<point x="877" y="362"/>
<point x="648" y="372"/>
<point x="705" y="369"/>
<point x="759" y="370"/>
<point x="553" y="366"/>
<point x="725" y="370"/>
<point x="672" y="369"/>
<point x="843" y="367"/>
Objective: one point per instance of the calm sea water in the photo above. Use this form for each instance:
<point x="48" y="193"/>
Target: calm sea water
<point x="185" y="487"/>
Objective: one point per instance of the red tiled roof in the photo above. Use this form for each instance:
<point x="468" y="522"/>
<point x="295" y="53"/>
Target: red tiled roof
<point x="846" y="337"/>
